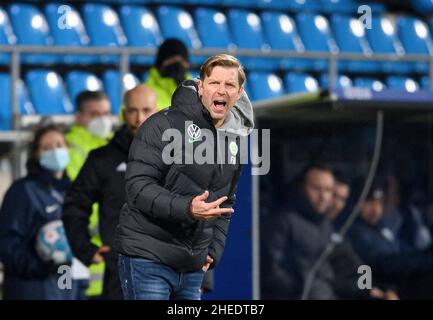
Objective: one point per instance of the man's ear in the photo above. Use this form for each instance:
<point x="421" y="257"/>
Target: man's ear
<point x="241" y="90"/>
<point x="200" y="87"/>
<point x="79" y="117"/>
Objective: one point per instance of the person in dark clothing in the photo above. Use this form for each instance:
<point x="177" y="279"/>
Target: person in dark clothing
<point x="298" y="238"/>
<point x="102" y="181"/>
<point x="344" y="260"/>
<point x="392" y="261"/>
<point x="29" y="206"/>
<point x="176" y="218"/>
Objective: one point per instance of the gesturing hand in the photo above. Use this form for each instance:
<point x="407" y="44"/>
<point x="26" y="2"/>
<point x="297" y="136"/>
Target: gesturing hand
<point x="98" y="257"/>
<point x="202" y="210"/>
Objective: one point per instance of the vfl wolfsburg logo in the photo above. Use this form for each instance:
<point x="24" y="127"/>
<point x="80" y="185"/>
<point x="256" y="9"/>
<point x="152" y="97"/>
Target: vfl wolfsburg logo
<point x="194" y="133"/>
<point x="233" y="148"/>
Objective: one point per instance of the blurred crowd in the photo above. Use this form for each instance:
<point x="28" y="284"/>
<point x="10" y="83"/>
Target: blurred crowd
<point x="386" y="252"/>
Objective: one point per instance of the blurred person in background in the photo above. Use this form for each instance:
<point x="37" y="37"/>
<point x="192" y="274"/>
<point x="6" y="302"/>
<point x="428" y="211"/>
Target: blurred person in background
<point x="170" y="69"/>
<point x="403" y="217"/>
<point x="30" y="223"/>
<point x="102" y="180"/>
<point x="297" y="238"/>
<point x="344" y="260"/>
<point x="92" y="129"/>
<point x="393" y="261"/>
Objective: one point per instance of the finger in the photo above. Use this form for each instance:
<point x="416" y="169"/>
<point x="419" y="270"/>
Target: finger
<point x="220" y="211"/>
<point x="209" y="259"/>
<point x="217" y="202"/>
<point x="203" y="196"/>
<point x="104" y="249"/>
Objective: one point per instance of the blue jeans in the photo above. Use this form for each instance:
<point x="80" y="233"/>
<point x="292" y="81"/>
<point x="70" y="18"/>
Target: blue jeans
<point x="144" y="279"/>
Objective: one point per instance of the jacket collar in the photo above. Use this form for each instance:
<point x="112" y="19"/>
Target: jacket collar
<point x="302" y="206"/>
<point x="122" y="139"/>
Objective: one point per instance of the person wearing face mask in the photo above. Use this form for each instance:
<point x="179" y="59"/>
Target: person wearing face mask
<point x="102" y="181"/>
<point x="170" y="69"/>
<point x="92" y="129"/>
<point x="30" y="209"/>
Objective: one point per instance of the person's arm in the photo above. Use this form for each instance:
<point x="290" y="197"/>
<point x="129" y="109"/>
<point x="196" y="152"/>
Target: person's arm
<point x="81" y="196"/>
<point x="17" y="247"/>
<point x="279" y="279"/>
<point x="146" y="173"/>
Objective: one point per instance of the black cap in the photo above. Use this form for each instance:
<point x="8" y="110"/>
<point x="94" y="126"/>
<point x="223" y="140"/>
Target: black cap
<point x="170" y="48"/>
<point x="376" y="192"/>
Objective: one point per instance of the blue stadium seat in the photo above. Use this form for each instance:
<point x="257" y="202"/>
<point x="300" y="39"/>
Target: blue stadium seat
<point x="370" y="83"/>
<point x="342" y="81"/>
<point x="282" y="34"/>
<point x="349" y="35"/>
<point x="104" y="29"/>
<point x="211" y="19"/>
<point x="6" y="102"/>
<point x="178" y="23"/>
<point x="67" y="29"/>
<point x="422" y="6"/>
<point x="203" y="2"/>
<point x="144" y="76"/>
<point x="7" y="36"/>
<point x="344" y="6"/>
<point x="77" y="81"/>
<point x="194" y="73"/>
<point x="112" y="86"/>
<point x="247" y="33"/>
<point x="300" y="82"/>
<point x="264" y="85"/>
<point x="383" y="39"/>
<point x="315" y="32"/>
<point x="425" y="83"/>
<point x="304" y="5"/>
<point x="141" y="29"/>
<point x="402" y="83"/>
<point x="415" y="37"/>
<point x="239" y="3"/>
<point x="48" y="93"/>
<point x="31" y="28"/>
<point x="272" y="4"/>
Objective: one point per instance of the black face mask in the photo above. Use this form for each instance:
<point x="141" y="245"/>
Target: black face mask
<point x="175" y="70"/>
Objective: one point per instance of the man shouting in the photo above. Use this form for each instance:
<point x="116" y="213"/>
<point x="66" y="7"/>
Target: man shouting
<point x="174" y="224"/>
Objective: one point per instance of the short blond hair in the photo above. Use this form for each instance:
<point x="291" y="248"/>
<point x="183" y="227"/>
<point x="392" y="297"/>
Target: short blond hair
<point x="222" y="60"/>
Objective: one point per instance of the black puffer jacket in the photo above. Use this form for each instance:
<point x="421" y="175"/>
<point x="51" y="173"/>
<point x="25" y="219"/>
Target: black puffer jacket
<point x="155" y="223"/>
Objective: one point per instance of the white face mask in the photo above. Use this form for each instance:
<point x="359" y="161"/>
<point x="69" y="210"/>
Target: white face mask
<point x="100" y="126"/>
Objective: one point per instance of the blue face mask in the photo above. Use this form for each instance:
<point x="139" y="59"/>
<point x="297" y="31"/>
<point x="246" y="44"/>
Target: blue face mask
<point x="55" y="159"/>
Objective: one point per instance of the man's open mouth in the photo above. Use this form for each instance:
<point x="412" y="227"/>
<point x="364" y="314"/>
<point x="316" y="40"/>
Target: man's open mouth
<point x="219" y="104"/>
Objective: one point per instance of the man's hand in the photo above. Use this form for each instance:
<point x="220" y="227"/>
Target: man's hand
<point x="207" y="264"/>
<point x="98" y="258"/>
<point x="205" y="211"/>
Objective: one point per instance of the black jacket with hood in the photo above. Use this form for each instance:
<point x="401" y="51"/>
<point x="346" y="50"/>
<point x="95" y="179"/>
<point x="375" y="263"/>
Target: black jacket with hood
<point x="156" y="223"/>
<point x="101" y="180"/>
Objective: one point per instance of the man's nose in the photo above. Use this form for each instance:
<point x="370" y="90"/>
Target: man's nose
<point x="140" y="118"/>
<point x="221" y="89"/>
